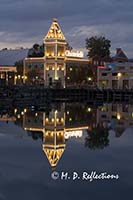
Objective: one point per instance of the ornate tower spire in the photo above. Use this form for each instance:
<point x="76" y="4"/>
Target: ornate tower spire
<point x="55" y="48"/>
<point x="54" y="32"/>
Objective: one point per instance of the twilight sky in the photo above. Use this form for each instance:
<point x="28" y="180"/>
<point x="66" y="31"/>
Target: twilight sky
<point x="25" y="22"/>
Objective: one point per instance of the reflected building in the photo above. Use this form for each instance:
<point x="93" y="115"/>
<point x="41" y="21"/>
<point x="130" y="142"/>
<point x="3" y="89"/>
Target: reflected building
<point x="116" y="116"/>
<point x="56" y="127"/>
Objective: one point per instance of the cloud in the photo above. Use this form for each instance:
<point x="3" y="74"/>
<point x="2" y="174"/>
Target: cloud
<point x="27" y="21"/>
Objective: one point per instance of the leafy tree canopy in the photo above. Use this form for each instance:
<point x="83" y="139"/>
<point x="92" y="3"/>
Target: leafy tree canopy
<point x="36" y="51"/>
<point x="98" y="47"/>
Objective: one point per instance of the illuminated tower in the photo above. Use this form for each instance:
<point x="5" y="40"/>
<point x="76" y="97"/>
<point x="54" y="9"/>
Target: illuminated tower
<point x="55" y="48"/>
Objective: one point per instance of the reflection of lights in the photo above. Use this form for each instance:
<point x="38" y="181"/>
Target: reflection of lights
<point x="76" y="134"/>
<point x="118" y="116"/>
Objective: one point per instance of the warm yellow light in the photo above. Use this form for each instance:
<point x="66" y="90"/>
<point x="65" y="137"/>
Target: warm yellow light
<point x="57" y="119"/>
<point x="118" y="116"/>
<point x="89" y="109"/>
<point x="68" y="78"/>
<point x="52" y="120"/>
<point x="46" y="119"/>
<point x="56" y="78"/>
<point x="15" y="77"/>
<point x="89" y="78"/>
<point x="52" y="68"/>
<point x="15" y="110"/>
<point x="18" y="76"/>
<point x="36" y="114"/>
<point x="67" y="112"/>
<point x="22" y="113"/>
<point x="71" y="69"/>
<point x="62" y="119"/>
<point x="18" y="116"/>
<point x="70" y="119"/>
<point x="25" y="110"/>
<point x="119" y="74"/>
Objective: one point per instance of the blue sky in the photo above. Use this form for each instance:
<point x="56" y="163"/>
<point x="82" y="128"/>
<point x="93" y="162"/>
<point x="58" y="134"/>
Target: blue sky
<point x="25" y="22"/>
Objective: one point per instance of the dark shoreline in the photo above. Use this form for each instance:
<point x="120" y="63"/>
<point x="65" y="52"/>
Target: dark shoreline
<point x="38" y="95"/>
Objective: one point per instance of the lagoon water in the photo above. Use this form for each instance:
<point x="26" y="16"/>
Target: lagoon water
<point x="66" y="138"/>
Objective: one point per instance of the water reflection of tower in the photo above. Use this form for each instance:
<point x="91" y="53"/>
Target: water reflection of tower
<point x="55" y="126"/>
<point x="51" y="125"/>
<point x="53" y="136"/>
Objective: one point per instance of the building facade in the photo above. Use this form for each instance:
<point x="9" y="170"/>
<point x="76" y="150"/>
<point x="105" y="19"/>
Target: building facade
<point x="117" y="75"/>
<point x="7" y="75"/>
<point x="57" y="62"/>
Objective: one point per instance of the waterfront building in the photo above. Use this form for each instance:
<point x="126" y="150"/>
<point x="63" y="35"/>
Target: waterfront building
<point x="117" y="117"/>
<point x="7" y="75"/>
<point x="117" y="75"/>
<point x="58" y="66"/>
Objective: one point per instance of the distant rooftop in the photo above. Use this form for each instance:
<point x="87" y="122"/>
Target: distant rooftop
<point x="120" y="56"/>
<point x="9" y="57"/>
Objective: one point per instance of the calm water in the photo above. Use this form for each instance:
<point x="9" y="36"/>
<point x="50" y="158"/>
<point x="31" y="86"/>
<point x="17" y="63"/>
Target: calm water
<point x="66" y="138"/>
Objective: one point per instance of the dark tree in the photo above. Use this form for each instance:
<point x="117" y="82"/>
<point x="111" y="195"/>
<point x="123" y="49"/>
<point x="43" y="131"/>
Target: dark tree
<point x="97" y="139"/>
<point x="98" y="48"/>
<point x="68" y="47"/>
<point x="36" y="51"/>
